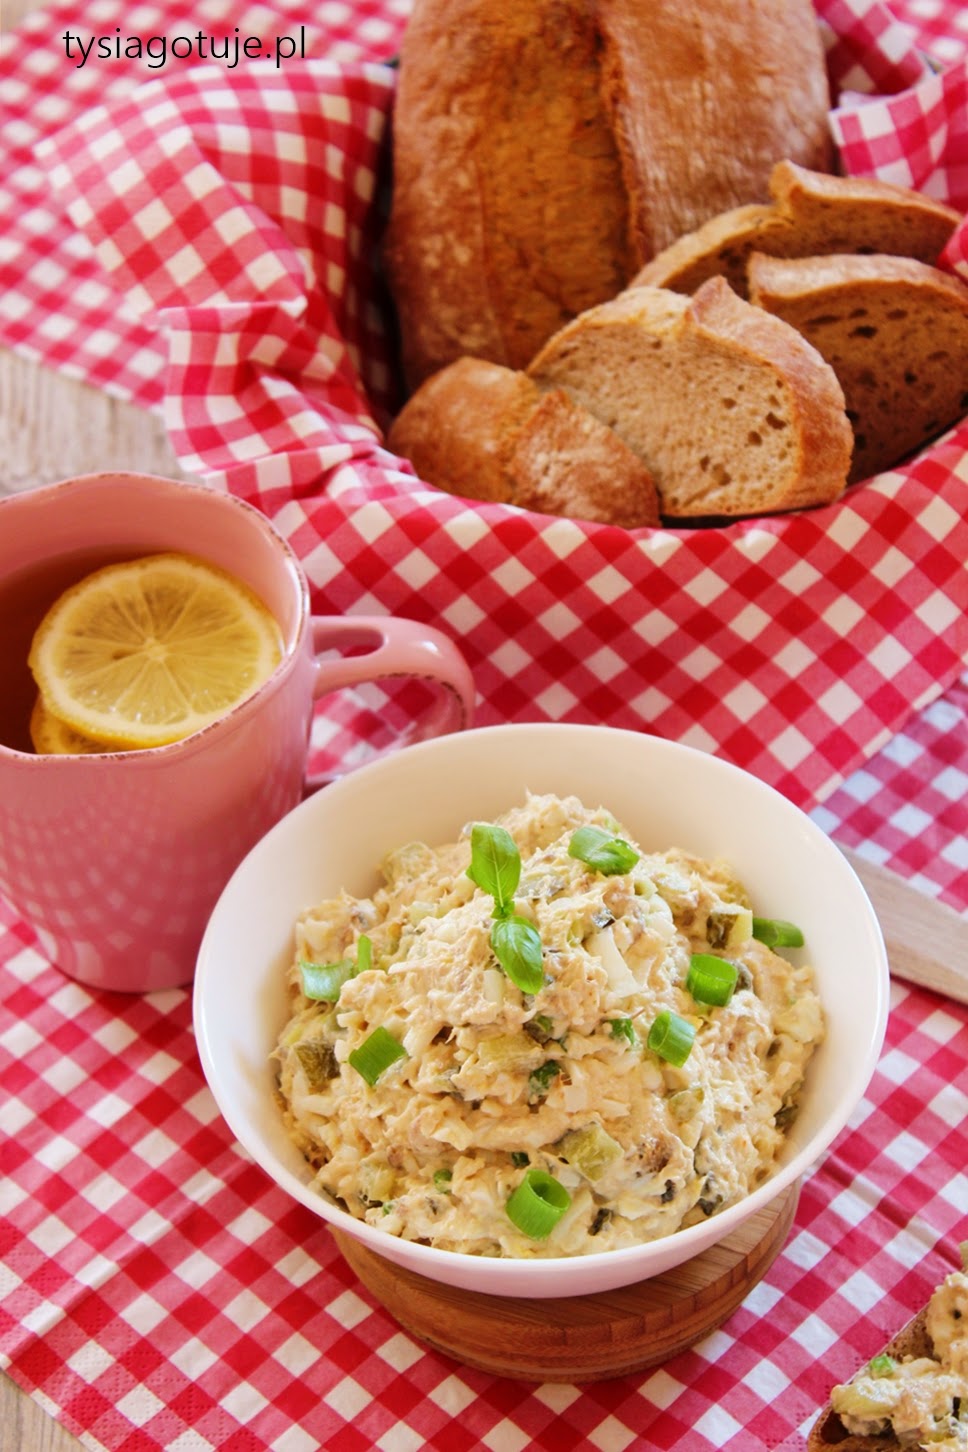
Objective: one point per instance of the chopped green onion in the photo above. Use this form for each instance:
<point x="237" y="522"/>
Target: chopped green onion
<point x="711" y="979"/>
<point x="323" y="981"/>
<point x="375" y="1054"/>
<point x="540" y="1028"/>
<point x="776" y="933"/>
<point x="495" y="865"/>
<point x="882" y="1365"/>
<point x="520" y="1158"/>
<point x="671" y="1037"/>
<point x="537" y="1204"/>
<point x="540" y="1079"/>
<point x="442" y="1179"/>
<point x="622" y="1028"/>
<point x="602" y="850"/>
<point x="517" y="947"/>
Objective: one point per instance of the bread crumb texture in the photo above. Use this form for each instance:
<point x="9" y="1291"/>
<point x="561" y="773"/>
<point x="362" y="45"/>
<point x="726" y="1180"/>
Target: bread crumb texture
<point x="895" y="332"/>
<point x="730" y="414"/>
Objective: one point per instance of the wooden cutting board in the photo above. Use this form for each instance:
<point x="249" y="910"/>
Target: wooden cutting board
<point x="581" y="1338"/>
<point x="926" y="941"/>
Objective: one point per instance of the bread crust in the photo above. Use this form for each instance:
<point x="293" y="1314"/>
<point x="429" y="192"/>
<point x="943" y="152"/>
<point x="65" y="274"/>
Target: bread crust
<point x="812" y="214"/>
<point x="486" y="432"/>
<point x="894" y="330"/>
<point x="731" y="414"/>
<point x="544" y="149"/>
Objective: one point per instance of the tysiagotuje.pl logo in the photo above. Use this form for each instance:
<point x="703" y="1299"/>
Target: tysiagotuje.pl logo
<point x="158" y="51"/>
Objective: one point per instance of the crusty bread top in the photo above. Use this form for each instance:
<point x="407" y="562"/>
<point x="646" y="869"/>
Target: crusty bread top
<point x="708" y="97"/>
<point x="459" y="424"/>
<point x="829" y="1431"/>
<point x="509" y="212"/>
<point x="811" y="214"/>
<point x="894" y="330"/>
<point x="543" y="149"/>
<point x="732" y="411"/>
<point x="486" y="432"/>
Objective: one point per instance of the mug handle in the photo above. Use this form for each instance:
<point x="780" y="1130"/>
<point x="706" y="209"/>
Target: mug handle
<point x="393" y="647"/>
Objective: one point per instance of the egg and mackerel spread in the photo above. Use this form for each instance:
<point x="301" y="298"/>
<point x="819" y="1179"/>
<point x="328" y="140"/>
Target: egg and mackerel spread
<point x="602" y="1106"/>
<point x="921" y="1400"/>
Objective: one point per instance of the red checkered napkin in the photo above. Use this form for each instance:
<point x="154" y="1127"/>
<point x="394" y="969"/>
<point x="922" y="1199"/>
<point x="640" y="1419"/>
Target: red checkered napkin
<point x="795" y="646"/>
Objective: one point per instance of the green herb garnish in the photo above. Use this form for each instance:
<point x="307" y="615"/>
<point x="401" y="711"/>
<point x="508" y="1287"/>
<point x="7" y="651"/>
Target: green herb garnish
<point x="882" y="1365"/>
<point x="496" y="869"/>
<point x="671" y="1037"/>
<point x="537" y="1204"/>
<point x="323" y="981"/>
<point x="602" y="850"/>
<point x="495" y="865"/>
<point x="711" y="979"/>
<point x="776" y="933"/>
<point x="517" y="947"/>
<point x="539" y="1080"/>
<point x="375" y="1054"/>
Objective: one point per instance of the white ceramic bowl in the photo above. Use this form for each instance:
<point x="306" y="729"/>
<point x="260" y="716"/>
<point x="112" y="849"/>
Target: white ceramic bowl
<point x="666" y="795"/>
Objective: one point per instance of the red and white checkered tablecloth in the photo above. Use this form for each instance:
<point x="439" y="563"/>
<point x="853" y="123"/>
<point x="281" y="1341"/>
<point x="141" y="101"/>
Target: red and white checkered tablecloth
<point x="156" y="1292"/>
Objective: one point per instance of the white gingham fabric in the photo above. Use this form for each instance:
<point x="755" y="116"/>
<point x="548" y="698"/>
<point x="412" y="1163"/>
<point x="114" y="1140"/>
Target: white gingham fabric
<point x="157" y="1294"/>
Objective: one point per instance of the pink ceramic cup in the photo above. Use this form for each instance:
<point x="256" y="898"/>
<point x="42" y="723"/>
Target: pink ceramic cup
<point x="116" y="860"/>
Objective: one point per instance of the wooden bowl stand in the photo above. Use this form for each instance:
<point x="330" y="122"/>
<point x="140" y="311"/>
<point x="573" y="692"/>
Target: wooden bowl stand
<point x="581" y="1338"/>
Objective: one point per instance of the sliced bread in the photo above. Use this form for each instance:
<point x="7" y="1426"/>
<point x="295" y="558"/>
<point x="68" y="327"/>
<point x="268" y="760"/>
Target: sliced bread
<point x="544" y="149"/>
<point x="730" y="410"/>
<point x="894" y="330"/>
<point x="812" y="214"/>
<point x="486" y="432"/>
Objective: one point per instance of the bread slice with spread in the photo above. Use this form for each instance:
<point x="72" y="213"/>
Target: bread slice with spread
<point x="915" y="1392"/>
<point x="812" y="214"/>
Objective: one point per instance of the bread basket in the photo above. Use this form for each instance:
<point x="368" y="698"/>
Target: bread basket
<point x="793" y="645"/>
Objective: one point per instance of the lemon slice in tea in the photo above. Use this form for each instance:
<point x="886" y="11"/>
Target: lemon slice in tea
<point x="53" y="737"/>
<point x="143" y="653"/>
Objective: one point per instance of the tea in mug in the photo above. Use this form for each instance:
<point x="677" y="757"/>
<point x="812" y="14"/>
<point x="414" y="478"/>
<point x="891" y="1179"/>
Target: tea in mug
<point x="143" y="652"/>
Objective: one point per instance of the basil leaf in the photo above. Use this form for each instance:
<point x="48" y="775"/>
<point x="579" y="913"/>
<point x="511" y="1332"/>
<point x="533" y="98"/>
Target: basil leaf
<point x="517" y="947"/>
<point x="600" y="850"/>
<point x="495" y="864"/>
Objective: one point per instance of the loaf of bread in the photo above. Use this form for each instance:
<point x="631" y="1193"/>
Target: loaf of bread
<point x="543" y="150"/>
<point x="486" y="432"/>
<point x="894" y="330"/>
<point x="812" y="214"/>
<point x="730" y="410"/>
